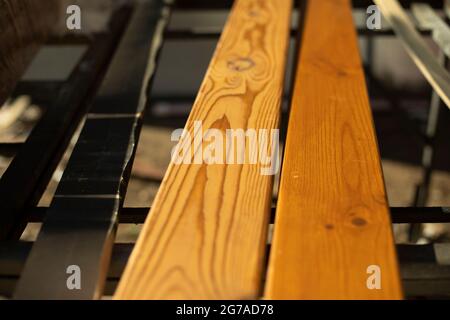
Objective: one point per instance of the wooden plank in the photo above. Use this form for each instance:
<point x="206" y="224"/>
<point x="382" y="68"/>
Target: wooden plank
<point x="332" y="219"/>
<point x="206" y="232"/>
<point x="24" y="25"/>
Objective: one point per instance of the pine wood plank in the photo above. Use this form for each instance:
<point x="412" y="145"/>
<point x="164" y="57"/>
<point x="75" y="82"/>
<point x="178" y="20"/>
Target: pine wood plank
<point x="332" y="219"/>
<point x="206" y="232"/>
<point x="24" y="25"/>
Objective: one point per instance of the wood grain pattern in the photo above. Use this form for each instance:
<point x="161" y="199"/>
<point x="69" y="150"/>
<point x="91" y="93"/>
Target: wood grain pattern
<point x="24" y="25"/>
<point x="206" y="232"/>
<point x="332" y="218"/>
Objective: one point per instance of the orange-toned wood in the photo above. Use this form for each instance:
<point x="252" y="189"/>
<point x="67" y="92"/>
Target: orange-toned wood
<point x="24" y="25"/>
<point x="206" y="233"/>
<point x="332" y="219"/>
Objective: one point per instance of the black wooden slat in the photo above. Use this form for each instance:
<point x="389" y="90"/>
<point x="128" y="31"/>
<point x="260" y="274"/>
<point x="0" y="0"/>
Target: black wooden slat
<point x="80" y="224"/>
<point x="26" y="178"/>
<point x="14" y="254"/>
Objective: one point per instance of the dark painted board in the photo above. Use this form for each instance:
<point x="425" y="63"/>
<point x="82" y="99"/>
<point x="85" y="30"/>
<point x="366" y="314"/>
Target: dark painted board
<point x="80" y="224"/>
<point x="25" y="179"/>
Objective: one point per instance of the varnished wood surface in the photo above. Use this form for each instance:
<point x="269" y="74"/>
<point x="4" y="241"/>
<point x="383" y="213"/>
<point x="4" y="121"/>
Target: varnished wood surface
<point x="332" y="219"/>
<point x="24" y="25"/>
<point x="206" y="233"/>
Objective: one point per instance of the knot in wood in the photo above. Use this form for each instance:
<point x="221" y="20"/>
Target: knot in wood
<point x="241" y="64"/>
